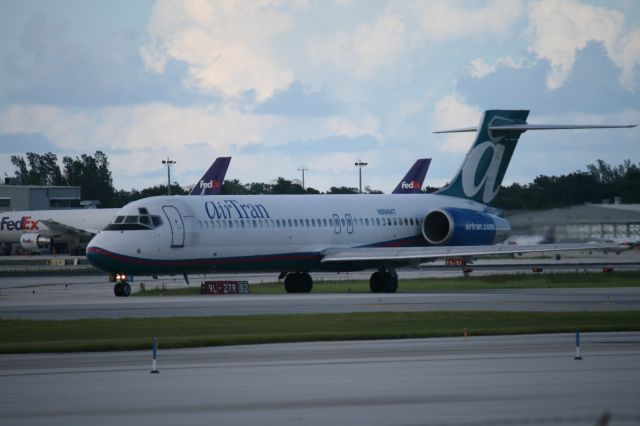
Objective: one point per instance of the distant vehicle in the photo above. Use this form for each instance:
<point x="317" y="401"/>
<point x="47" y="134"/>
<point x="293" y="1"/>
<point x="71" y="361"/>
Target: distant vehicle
<point x="37" y="229"/>
<point x="413" y="180"/>
<point x="298" y="234"/>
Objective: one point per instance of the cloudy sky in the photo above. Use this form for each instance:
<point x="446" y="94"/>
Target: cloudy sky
<point x="321" y="84"/>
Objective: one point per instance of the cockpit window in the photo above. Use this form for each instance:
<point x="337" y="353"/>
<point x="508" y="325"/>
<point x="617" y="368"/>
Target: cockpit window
<point x="131" y="219"/>
<point x="144" y="221"/>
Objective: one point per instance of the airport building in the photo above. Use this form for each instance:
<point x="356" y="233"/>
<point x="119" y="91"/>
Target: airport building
<point x="590" y="222"/>
<point x="34" y="197"/>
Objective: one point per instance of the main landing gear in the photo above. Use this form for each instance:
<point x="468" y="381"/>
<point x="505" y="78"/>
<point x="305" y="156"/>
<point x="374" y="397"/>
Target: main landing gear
<point x="384" y="281"/>
<point x="298" y="282"/>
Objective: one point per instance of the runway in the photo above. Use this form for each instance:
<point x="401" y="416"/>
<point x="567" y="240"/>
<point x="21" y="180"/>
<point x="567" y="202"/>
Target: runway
<point x="541" y="300"/>
<point x="505" y="380"/>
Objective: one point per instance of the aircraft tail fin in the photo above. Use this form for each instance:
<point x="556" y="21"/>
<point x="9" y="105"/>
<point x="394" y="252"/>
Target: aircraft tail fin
<point x="211" y="182"/>
<point x="485" y="165"/>
<point x="412" y="181"/>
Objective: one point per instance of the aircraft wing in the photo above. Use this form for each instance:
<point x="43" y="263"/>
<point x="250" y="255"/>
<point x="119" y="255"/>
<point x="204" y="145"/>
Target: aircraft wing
<point x="407" y="254"/>
<point x="57" y="229"/>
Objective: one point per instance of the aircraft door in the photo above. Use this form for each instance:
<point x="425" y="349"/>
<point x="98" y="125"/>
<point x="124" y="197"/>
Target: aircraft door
<point x="337" y="228"/>
<point x="349" y="223"/>
<point x="176" y="224"/>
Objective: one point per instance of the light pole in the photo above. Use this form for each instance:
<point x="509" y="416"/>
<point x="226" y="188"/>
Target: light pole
<point x="360" y="164"/>
<point x="303" y="169"/>
<point x="168" y="162"/>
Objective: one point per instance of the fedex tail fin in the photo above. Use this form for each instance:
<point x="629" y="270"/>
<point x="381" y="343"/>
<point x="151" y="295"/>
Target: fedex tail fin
<point x="485" y="165"/>
<point x="211" y="182"/>
<point x="412" y="181"/>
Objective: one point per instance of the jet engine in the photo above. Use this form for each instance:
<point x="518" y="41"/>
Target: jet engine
<point x="31" y="241"/>
<point x="452" y="226"/>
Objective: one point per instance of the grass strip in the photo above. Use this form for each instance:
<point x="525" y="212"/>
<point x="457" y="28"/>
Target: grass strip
<point x="498" y="281"/>
<point x="23" y="336"/>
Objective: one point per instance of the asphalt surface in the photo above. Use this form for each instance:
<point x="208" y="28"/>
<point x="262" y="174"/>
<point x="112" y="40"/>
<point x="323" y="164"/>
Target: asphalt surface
<point x="540" y="300"/>
<point x="505" y="380"/>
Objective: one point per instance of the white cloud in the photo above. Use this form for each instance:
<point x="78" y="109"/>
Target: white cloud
<point x="560" y="28"/>
<point x="226" y="44"/>
<point x="451" y="112"/>
<point x="353" y="128"/>
<point x="479" y="68"/>
<point x="365" y="50"/>
<point x="402" y="28"/>
<point x="452" y="20"/>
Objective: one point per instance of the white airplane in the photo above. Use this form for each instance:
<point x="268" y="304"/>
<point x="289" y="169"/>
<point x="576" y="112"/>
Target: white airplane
<point x="36" y="229"/>
<point x="298" y="234"/>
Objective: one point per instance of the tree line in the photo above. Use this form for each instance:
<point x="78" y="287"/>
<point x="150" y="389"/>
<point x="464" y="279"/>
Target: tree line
<point x="91" y="172"/>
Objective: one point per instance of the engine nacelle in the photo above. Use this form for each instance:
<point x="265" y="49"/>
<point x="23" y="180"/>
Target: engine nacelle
<point x="31" y="241"/>
<point x="456" y="227"/>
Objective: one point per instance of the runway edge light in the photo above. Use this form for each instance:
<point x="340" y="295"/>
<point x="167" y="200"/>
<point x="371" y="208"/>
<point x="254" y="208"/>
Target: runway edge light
<point x="578" y="356"/>
<point x="154" y="369"/>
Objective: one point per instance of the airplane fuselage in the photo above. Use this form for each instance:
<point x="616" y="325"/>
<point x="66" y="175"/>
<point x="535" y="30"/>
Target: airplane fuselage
<point x="270" y="233"/>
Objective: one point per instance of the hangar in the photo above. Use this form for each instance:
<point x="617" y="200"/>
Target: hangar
<point x="35" y="197"/>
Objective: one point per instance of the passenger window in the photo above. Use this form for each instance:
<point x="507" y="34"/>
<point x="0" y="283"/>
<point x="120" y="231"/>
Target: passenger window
<point x="313" y="223"/>
<point x="324" y="222"/>
<point x="290" y="224"/>
<point x="366" y="221"/>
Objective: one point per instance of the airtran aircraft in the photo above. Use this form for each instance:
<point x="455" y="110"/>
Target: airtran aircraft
<point x="298" y="234"/>
<point x="36" y="229"/>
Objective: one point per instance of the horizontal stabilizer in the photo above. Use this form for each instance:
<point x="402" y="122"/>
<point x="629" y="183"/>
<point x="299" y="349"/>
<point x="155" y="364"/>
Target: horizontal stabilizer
<point x="525" y="127"/>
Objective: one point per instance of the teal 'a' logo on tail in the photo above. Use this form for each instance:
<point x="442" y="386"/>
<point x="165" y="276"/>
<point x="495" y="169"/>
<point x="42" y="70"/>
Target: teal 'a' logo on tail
<point x="486" y="163"/>
<point x="483" y="169"/>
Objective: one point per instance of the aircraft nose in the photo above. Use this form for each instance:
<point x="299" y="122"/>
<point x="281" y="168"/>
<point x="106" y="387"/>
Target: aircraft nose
<point x="97" y="255"/>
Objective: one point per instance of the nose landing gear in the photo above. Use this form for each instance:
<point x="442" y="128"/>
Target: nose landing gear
<point x="122" y="287"/>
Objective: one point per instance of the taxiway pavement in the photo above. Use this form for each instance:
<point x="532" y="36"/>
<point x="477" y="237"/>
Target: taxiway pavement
<point x="505" y="380"/>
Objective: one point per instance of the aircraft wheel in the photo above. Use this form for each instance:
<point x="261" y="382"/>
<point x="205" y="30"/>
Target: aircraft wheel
<point x="126" y="289"/>
<point x="305" y="283"/>
<point x="117" y="289"/>
<point x="291" y="283"/>
<point x="377" y="282"/>
<point x="391" y="284"/>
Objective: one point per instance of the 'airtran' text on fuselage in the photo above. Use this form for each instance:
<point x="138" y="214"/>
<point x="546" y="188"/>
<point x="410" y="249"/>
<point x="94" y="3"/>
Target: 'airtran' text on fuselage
<point x="232" y="209"/>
